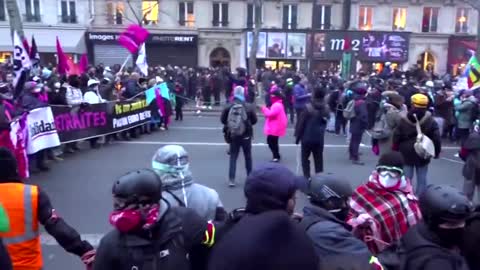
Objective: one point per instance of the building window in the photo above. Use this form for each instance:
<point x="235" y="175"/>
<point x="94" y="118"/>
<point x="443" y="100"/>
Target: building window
<point x="220" y="14"/>
<point x="149" y="12"/>
<point x="321" y="16"/>
<point x="32" y="10"/>
<point x="2" y="10"/>
<point x="185" y="14"/>
<point x="365" y="18"/>
<point x="115" y="12"/>
<point x="430" y="19"/>
<point x="289" y="16"/>
<point x="67" y="11"/>
<point x="461" y="23"/>
<point x="399" y="19"/>
<point x="252" y="13"/>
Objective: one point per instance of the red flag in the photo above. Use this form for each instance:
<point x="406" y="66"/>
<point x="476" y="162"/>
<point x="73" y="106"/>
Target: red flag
<point x="73" y="68"/>
<point x="83" y="64"/>
<point x="25" y="45"/>
<point x="133" y="37"/>
<point x="62" y="60"/>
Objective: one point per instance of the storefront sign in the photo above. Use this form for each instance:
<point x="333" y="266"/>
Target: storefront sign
<point x="104" y="37"/>
<point x="368" y="46"/>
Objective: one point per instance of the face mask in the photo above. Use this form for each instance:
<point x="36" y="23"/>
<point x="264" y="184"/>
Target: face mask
<point x="127" y="220"/>
<point x="450" y="237"/>
<point x="388" y="181"/>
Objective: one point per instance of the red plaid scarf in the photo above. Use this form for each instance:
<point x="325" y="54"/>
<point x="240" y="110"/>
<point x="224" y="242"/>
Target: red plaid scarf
<point x="393" y="212"/>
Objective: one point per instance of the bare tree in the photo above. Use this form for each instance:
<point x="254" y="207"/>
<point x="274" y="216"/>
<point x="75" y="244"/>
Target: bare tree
<point x="252" y="60"/>
<point x="14" y="18"/>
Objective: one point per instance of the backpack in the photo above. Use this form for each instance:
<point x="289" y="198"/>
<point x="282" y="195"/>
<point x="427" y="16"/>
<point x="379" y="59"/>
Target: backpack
<point x="381" y="130"/>
<point x="237" y="120"/>
<point x="423" y="145"/>
<point x="349" y="111"/>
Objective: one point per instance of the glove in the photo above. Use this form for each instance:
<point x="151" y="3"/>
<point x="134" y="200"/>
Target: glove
<point x="88" y="258"/>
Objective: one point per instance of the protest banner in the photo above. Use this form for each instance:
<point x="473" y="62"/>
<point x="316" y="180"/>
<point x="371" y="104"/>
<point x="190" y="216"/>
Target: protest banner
<point x="42" y="133"/>
<point x="95" y="120"/>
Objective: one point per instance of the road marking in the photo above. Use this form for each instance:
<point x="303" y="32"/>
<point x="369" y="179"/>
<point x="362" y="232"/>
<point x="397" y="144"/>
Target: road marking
<point x="254" y="144"/>
<point x="452" y="160"/>
<point x="197" y="128"/>
<point x="93" y="239"/>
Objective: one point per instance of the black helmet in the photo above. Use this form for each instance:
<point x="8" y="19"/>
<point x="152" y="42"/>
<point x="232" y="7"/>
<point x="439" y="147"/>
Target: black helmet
<point x="139" y="186"/>
<point x="327" y="187"/>
<point x="442" y="203"/>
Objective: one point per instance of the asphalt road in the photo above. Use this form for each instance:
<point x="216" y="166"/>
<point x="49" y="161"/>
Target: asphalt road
<point x="79" y="187"/>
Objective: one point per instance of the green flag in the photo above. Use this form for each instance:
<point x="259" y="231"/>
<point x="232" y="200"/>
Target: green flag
<point x="4" y="223"/>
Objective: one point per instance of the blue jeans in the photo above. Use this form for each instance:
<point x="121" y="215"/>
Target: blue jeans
<point x="421" y="173"/>
<point x="235" y="145"/>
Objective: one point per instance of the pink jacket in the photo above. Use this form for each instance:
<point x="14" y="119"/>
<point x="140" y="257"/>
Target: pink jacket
<point x="276" y="119"/>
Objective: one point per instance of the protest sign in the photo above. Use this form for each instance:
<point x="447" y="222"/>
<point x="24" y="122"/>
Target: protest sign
<point x="42" y="133"/>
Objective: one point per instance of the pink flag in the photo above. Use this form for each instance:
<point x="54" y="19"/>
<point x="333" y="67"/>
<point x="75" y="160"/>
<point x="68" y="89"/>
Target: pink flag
<point x="133" y="37"/>
<point x="83" y="64"/>
<point x="62" y="59"/>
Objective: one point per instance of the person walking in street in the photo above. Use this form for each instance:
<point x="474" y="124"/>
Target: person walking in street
<point x="275" y="123"/>
<point x="28" y="206"/>
<point x="171" y="163"/>
<point x="300" y="95"/>
<point x="466" y="108"/>
<point x="405" y="137"/>
<point x="149" y="234"/>
<point x="310" y="131"/>
<point x="356" y="112"/>
<point x="470" y="153"/>
<point x="238" y="119"/>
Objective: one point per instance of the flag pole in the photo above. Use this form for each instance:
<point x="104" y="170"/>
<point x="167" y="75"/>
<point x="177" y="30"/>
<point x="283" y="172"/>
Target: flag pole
<point x="125" y="62"/>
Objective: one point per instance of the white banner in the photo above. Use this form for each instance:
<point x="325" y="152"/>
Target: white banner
<point x="42" y="133"/>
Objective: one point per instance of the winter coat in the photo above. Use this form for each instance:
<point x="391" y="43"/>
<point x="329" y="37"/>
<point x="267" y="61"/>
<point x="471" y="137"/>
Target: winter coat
<point x="312" y="123"/>
<point x="74" y="96"/>
<point x="405" y="136"/>
<point x="301" y="96"/>
<point x="359" y="123"/>
<point x="392" y="117"/>
<point x="178" y="232"/>
<point x="470" y="153"/>
<point x="276" y="119"/>
<point x="331" y="236"/>
<point x="204" y="200"/>
<point x="251" y="118"/>
<point x="267" y="241"/>
<point x="464" y="114"/>
<point x="425" y="253"/>
<point x="92" y="97"/>
<point x="472" y="239"/>
<point x="131" y="89"/>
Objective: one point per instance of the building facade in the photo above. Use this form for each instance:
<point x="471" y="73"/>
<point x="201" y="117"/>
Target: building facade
<point x="46" y="19"/>
<point x="306" y="34"/>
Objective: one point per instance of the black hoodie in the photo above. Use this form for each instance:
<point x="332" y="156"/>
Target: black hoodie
<point x="312" y="122"/>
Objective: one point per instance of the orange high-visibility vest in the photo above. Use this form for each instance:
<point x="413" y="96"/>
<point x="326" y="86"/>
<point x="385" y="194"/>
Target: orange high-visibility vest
<point x="22" y="241"/>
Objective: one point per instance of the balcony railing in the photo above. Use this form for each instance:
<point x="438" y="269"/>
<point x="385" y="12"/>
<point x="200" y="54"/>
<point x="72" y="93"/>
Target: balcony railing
<point x="32" y="18"/>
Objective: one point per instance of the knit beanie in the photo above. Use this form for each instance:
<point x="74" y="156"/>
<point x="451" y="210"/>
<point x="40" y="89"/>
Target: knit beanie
<point x="391" y="159"/>
<point x="419" y="101"/>
<point x="239" y="93"/>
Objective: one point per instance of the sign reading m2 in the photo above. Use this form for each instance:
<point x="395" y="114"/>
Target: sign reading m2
<point x="344" y="44"/>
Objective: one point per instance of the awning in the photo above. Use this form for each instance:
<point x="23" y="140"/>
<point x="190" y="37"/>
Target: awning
<point x="72" y="40"/>
<point x="470" y="44"/>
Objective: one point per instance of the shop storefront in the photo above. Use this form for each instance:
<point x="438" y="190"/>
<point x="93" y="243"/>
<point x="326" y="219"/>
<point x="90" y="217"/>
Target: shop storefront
<point x="277" y="50"/>
<point x="162" y="49"/>
<point x="370" y="50"/>
<point x="460" y="49"/>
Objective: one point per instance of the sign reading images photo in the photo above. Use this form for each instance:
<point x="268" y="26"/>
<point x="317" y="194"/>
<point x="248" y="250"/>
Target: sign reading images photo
<point x="262" y="44"/>
<point x="276" y="45"/>
<point x="296" y="45"/>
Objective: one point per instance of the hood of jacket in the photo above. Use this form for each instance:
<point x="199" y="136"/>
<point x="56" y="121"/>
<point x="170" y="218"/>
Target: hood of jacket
<point x="173" y="176"/>
<point x="317" y="107"/>
<point x="325" y="215"/>
<point x="421" y="118"/>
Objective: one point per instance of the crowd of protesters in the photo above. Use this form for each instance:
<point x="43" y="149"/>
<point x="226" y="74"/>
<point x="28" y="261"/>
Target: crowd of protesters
<point x="162" y="219"/>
